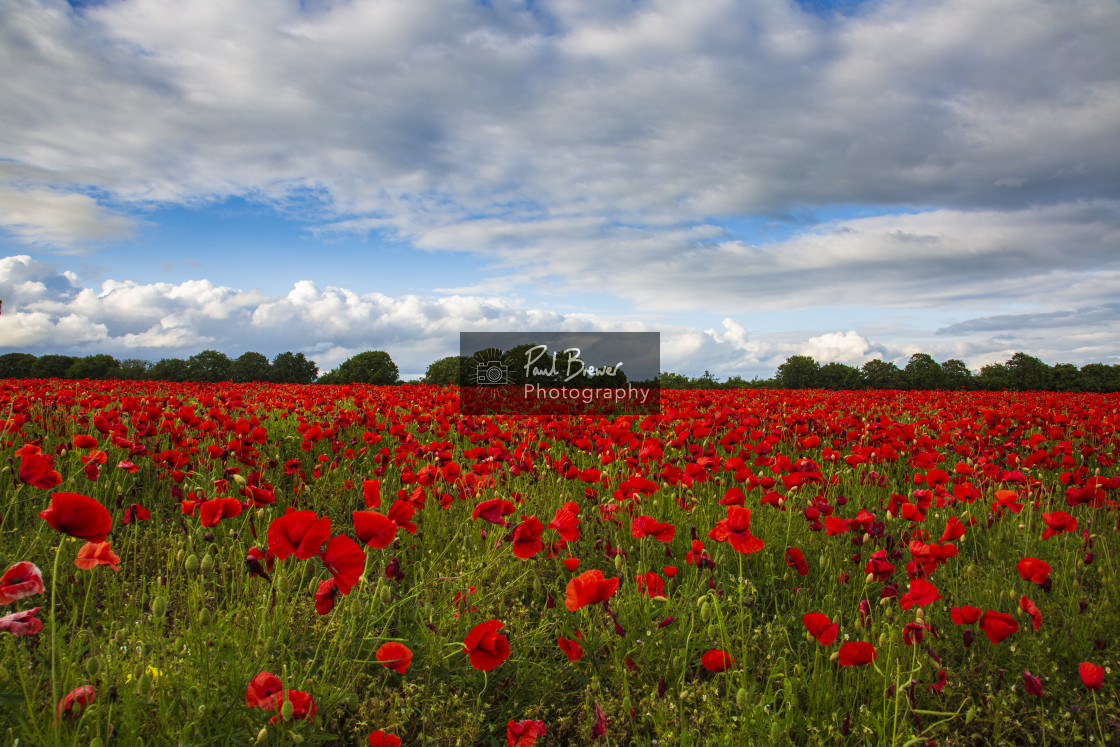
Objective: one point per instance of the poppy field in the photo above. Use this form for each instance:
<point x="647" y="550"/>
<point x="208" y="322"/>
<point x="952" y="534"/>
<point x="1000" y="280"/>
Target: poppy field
<point x="273" y="564"/>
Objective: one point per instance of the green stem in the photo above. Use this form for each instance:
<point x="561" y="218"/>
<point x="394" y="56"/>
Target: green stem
<point x="54" y="640"/>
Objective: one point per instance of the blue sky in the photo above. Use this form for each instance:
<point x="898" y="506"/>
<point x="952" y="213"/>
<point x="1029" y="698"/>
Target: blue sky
<point x="848" y="180"/>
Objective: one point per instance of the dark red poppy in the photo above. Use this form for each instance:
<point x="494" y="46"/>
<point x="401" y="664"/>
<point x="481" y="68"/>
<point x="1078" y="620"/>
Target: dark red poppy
<point x="303" y="705"/>
<point x="1032" y="684"/>
<point x="651" y="584"/>
<point x="79" y="516"/>
<point x="821" y="627"/>
<point x="736" y="529"/>
<point x="938" y="684"/>
<point x="82" y="441"/>
<point x="524" y="733"/>
<point x="965" y="615"/>
<point x="21" y="623"/>
<point x="136" y="513"/>
<point x="1092" y="676"/>
<point x="796" y="559"/>
<point x="856" y="654"/>
<point x="587" y="588"/>
<point x="325" y="596"/>
<point x="37" y="470"/>
<point x="716" y="660"/>
<point x="380" y="738"/>
<point x="878" y="566"/>
<point x="394" y="655"/>
<point x="644" y="526"/>
<point x="494" y="511"/>
<point x="345" y="560"/>
<point x="998" y="625"/>
<point x="299" y="533"/>
<point x="485" y="647"/>
<point x="527" y="538"/>
<point x="1033" y="569"/>
<point x="373" y="529"/>
<point x="21" y="580"/>
<point x="571" y="648"/>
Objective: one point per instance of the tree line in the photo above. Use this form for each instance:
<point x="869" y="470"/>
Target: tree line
<point x="1021" y="372"/>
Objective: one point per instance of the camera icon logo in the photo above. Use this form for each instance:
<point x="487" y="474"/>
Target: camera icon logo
<point x="492" y="373"/>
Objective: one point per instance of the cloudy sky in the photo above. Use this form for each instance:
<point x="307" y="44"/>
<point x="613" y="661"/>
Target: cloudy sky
<point x="752" y="178"/>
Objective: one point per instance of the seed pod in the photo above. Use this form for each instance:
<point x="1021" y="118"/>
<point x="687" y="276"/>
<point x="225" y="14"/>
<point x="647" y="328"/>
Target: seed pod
<point x="191" y="563"/>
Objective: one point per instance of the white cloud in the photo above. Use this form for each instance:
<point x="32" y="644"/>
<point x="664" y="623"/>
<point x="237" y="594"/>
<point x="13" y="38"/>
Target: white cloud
<point x="59" y="219"/>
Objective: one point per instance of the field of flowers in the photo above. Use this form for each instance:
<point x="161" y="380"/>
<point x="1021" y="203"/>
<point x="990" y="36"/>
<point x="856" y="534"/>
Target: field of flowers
<point x="282" y="564"/>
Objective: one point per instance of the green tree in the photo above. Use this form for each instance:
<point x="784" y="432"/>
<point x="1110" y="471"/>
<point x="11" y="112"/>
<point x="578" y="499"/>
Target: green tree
<point x="293" y="368"/>
<point x="16" y="365"/>
<point x="994" y="377"/>
<point x="669" y="380"/>
<point x="798" y="372"/>
<point x="1064" y="377"/>
<point x="1027" y="373"/>
<point x="370" y="367"/>
<point x="880" y="374"/>
<point x="52" y="366"/>
<point x="209" y="365"/>
<point x="251" y="367"/>
<point x="840" y="376"/>
<point x="446" y="371"/>
<point x="956" y="374"/>
<point x="923" y="373"/>
<point x="135" y="369"/>
<point x="1098" y="377"/>
<point x="169" y="369"/>
<point x="94" y="367"/>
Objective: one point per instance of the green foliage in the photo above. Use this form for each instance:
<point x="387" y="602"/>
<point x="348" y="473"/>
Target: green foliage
<point x="798" y="372"/>
<point x="169" y="369"/>
<point x="209" y="365"/>
<point x="52" y="366"/>
<point x="293" y="368"/>
<point x="16" y="365"/>
<point x="94" y="367"/>
<point x="923" y="373"/>
<point x="445" y="371"/>
<point x="880" y="374"/>
<point x="370" y="367"/>
<point x="135" y="369"/>
<point x="251" y="367"/>
<point x="839" y="376"/>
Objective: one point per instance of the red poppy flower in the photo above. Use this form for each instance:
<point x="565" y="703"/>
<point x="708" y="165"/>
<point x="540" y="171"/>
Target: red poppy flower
<point x="643" y="526"/>
<point x="651" y="584"/>
<point x="938" y="684"/>
<point x="566" y="524"/>
<point x="395" y="656"/>
<point x="382" y="739"/>
<point x="1032" y="684"/>
<point x="299" y="533"/>
<point x="38" y="470"/>
<point x="371" y="493"/>
<point x="325" y="596"/>
<point x="921" y="593"/>
<point x="1092" y="676"/>
<point x="136" y="513"/>
<point x="965" y="615"/>
<point x="796" y="559"/>
<point x="93" y="554"/>
<point x="954" y="530"/>
<point x="878" y="566"/>
<point x="262" y="689"/>
<point x="856" y="654"/>
<point x="1031" y="609"/>
<point x="373" y="529"/>
<point x="571" y="564"/>
<point x="21" y="623"/>
<point x="998" y="625"/>
<point x="214" y="510"/>
<point x="345" y="560"/>
<point x="716" y="660"/>
<point x="571" y="648"/>
<point x="821" y="627"/>
<point x="587" y="588"/>
<point x="670" y="571"/>
<point x="524" y="733"/>
<point x="736" y="529"/>
<point x="401" y="512"/>
<point x="303" y="705"/>
<point x="834" y="525"/>
<point x="1058" y="522"/>
<point x="82" y="441"/>
<point x="494" y="511"/>
<point x="486" y="648"/>
<point x="527" y="538"/>
<point x="79" y="516"/>
<point x="21" y="580"/>
<point x="1006" y="499"/>
<point x="79" y="696"/>
<point x="1033" y="569"/>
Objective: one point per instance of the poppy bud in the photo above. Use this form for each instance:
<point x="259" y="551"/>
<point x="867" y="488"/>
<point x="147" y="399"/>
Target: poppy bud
<point x="204" y="617"/>
<point x="386" y="594"/>
<point x="919" y="614"/>
<point x="262" y="735"/>
<point x="180" y="555"/>
<point x="93" y="666"/>
<point x="191" y="563"/>
<point x="883" y="639"/>
<point x="537" y="585"/>
<point x="617" y="562"/>
<point x="284" y="584"/>
<point x="741" y="699"/>
<point x="159" y="606"/>
<point x="287" y="710"/>
<point x="296" y="737"/>
<point x="835" y="656"/>
<point x="144" y="684"/>
<point x="705" y="611"/>
<point x="207" y="565"/>
<point x="96" y="742"/>
<point x="3" y="674"/>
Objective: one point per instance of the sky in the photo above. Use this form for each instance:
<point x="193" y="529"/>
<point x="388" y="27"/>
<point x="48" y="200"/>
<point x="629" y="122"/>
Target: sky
<point x="753" y="179"/>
